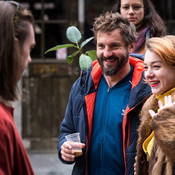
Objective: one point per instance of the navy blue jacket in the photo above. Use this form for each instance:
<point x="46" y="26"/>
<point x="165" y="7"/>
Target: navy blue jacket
<point x="79" y="114"/>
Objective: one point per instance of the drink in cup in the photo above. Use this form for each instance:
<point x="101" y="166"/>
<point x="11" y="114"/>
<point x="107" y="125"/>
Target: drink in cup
<point x="75" y="137"/>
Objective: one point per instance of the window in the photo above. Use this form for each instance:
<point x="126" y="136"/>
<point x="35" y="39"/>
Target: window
<point x="51" y="21"/>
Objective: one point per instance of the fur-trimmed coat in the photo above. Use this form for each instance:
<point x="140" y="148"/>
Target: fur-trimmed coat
<point x="162" y="160"/>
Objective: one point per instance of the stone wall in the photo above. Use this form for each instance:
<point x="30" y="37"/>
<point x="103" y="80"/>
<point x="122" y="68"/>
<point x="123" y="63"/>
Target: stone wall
<point x="46" y="89"/>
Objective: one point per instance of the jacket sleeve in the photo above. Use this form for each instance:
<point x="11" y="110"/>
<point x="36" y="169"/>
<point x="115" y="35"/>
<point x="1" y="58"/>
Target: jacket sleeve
<point x="68" y="124"/>
<point x="164" y="128"/>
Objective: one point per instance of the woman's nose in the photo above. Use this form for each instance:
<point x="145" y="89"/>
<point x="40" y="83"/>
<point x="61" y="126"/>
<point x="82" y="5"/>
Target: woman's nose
<point x="130" y="10"/>
<point x="148" y="73"/>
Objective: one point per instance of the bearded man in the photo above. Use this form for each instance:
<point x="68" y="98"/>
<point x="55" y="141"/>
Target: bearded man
<point x="105" y="103"/>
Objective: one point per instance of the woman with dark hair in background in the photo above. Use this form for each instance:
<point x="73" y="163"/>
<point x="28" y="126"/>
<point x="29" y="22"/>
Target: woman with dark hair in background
<point x="16" y="41"/>
<point x="144" y="16"/>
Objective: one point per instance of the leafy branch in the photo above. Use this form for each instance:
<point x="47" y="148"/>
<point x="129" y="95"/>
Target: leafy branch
<point x="74" y="36"/>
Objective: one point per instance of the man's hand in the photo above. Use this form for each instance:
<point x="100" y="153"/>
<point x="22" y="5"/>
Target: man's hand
<point x="67" y="153"/>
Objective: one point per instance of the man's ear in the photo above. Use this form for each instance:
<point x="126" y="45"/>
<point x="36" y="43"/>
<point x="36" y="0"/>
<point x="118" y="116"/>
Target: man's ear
<point x="131" y="47"/>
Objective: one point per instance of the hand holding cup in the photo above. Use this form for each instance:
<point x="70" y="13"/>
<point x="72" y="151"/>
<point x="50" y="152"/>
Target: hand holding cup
<point x="72" y="147"/>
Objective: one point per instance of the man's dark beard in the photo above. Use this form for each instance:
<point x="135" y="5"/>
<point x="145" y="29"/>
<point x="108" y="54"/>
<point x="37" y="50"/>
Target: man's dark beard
<point x="120" y="63"/>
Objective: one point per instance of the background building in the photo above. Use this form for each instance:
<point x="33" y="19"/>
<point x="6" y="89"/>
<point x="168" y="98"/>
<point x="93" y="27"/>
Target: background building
<point x="48" y="80"/>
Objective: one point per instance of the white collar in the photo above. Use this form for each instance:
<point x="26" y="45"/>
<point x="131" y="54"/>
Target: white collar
<point x="7" y="102"/>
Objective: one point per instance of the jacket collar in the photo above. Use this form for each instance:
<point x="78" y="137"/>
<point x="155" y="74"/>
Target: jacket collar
<point x="139" y="91"/>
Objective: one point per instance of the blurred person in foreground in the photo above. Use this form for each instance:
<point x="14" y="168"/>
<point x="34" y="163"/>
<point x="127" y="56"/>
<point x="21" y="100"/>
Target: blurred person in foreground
<point x="16" y="41"/>
<point x="156" y="143"/>
<point x="144" y="16"/>
<point x="105" y="103"/>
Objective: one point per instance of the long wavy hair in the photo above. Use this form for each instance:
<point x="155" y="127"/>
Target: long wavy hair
<point x="14" y="23"/>
<point x="151" y="18"/>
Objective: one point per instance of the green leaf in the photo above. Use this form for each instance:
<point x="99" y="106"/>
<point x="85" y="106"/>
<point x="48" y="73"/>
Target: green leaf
<point x="70" y="59"/>
<point x="73" y="34"/>
<point x="60" y="47"/>
<point x="75" y="53"/>
<point x="84" y="61"/>
<point x="92" y="54"/>
<point x="86" y="41"/>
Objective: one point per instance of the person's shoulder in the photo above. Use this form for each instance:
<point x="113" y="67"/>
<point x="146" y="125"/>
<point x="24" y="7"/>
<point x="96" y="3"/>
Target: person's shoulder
<point x="137" y="63"/>
<point x="6" y="118"/>
<point x="150" y="103"/>
<point x="82" y="81"/>
<point x="137" y="55"/>
<point x="6" y="128"/>
<point x="94" y="70"/>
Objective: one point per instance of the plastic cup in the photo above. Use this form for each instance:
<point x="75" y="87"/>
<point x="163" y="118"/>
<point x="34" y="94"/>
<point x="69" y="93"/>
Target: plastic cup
<point x="75" y="137"/>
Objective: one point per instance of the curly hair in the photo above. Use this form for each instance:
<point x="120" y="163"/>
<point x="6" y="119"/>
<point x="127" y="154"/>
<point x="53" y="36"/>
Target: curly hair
<point x="109" y="21"/>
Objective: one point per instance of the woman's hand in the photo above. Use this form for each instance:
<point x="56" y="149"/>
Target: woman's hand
<point x="135" y="165"/>
<point x="67" y="153"/>
<point x="167" y="103"/>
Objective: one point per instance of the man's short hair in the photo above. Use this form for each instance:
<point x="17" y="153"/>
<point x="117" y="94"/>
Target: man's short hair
<point x="110" y="21"/>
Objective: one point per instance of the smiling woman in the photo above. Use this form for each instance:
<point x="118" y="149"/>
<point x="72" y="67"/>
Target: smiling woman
<point x="144" y="16"/>
<point x="158" y="75"/>
<point x="156" y="143"/>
